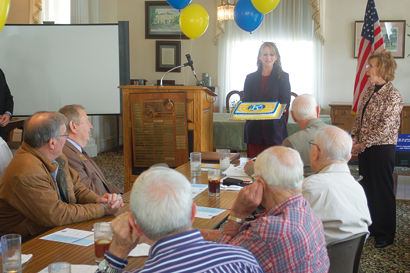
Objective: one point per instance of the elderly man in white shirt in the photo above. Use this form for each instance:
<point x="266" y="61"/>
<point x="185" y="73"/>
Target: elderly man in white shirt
<point x="5" y="156"/>
<point x="332" y="192"/>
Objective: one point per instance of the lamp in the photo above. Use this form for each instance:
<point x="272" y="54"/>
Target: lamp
<point x="225" y="10"/>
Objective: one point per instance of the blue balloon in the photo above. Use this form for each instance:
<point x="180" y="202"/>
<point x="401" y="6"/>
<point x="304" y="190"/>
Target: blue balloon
<point x="179" y="4"/>
<point x="246" y="16"/>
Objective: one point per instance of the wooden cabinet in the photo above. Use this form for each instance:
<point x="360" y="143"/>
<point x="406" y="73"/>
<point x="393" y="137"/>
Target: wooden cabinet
<point x="343" y="118"/>
<point x="405" y="119"/>
<point x="341" y="114"/>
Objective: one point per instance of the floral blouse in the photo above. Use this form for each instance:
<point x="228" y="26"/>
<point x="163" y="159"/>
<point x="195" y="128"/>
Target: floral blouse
<point x="381" y="119"/>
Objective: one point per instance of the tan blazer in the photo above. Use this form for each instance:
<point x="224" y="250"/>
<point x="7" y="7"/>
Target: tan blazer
<point x="91" y="175"/>
<point x="29" y="203"/>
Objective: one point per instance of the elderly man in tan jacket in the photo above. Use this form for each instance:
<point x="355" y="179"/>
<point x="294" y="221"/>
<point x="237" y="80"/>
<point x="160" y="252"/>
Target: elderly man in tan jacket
<point x="39" y="191"/>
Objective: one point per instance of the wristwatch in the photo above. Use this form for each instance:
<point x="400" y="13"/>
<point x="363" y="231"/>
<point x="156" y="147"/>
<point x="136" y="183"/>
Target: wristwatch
<point x="235" y="219"/>
<point x="104" y="267"/>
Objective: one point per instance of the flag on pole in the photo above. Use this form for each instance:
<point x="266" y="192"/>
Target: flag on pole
<point x="371" y="42"/>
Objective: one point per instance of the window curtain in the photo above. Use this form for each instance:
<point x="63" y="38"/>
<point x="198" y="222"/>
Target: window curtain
<point x="84" y="12"/>
<point x="55" y="10"/>
<point x="290" y="26"/>
<point x="34" y="11"/>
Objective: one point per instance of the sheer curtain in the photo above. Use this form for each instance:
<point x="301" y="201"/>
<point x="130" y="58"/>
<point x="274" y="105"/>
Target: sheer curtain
<point x="290" y="26"/>
<point x="55" y="10"/>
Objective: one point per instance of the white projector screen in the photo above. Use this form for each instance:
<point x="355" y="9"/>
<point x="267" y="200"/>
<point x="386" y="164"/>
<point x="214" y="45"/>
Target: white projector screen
<point x="49" y="66"/>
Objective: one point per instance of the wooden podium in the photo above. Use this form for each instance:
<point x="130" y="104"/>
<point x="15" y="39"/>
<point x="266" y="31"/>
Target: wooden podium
<point x="148" y="105"/>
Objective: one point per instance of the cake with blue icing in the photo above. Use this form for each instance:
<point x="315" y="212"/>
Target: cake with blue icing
<point x="257" y="110"/>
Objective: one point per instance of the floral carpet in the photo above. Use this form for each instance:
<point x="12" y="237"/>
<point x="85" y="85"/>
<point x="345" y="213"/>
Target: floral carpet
<point x="394" y="258"/>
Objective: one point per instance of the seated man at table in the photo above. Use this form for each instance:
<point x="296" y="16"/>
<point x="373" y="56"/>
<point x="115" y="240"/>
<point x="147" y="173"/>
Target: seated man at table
<point x="39" y="191"/>
<point x="79" y="135"/>
<point x="288" y="236"/>
<point x="163" y="213"/>
<point x="305" y="112"/>
<point x="333" y="193"/>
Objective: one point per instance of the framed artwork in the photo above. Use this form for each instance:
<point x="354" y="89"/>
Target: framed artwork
<point x="167" y="55"/>
<point x="162" y="21"/>
<point x="393" y="32"/>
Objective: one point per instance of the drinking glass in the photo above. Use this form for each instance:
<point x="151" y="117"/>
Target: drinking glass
<point x="59" y="268"/>
<point x="214" y="182"/>
<point x="102" y="239"/>
<point x="11" y="253"/>
<point x="195" y="164"/>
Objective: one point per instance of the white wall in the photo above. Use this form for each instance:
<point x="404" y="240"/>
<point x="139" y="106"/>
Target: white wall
<point x="339" y="66"/>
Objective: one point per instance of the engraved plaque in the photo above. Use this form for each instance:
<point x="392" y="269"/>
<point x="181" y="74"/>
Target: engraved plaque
<point x="159" y="127"/>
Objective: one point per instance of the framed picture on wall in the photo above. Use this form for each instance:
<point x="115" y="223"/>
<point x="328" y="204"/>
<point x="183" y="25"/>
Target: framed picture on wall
<point x="393" y="32"/>
<point x="167" y="56"/>
<point x="162" y="21"/>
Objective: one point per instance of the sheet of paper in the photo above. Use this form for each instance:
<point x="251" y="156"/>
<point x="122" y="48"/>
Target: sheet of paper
<point x="238" y="171"/>
<point x="231" y="188"/>
<point x="140" y="250"/>
<point x="78" y="268"/>
<point x="25" y="258"/>
<point x="197" y="189"/>
<point x="206" y="166"/>
<point x="207" y="213"/>
<point x="72" y="236"/>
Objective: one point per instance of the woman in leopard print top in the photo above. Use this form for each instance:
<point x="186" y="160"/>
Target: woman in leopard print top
<point x="375" y="133"/>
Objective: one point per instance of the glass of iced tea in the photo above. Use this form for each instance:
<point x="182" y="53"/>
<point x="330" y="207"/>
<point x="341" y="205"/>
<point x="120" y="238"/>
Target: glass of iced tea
<point x="102" y="239"/>
<point x="214" y="179"/>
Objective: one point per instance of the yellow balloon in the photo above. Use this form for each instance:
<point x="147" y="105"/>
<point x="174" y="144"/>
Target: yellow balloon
<point x="194" y="21"/>
<point x="4" y="12"/>
<point x="265" y="6"/>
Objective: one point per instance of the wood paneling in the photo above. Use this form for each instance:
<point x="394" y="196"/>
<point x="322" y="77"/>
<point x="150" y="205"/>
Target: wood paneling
<point x="342" y="117"/>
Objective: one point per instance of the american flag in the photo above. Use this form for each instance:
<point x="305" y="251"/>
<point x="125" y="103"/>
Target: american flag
<point x="372" y="42"/>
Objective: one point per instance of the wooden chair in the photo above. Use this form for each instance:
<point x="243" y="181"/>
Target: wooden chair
<point x="228" y="97"/>
<point x="292" y="94"/>
<point x="345" y="254"/>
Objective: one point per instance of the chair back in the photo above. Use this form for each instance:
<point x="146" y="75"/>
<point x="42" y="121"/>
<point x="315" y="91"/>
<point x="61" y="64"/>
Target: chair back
<point x="345" y="254"/>
<point x="228" y="98"/>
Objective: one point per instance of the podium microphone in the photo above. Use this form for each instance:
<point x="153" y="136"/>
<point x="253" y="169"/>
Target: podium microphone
<point x="191" y="64"/>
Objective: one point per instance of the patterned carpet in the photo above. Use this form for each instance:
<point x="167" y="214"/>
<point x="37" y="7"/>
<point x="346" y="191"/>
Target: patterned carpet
<point x="395" y="258"/>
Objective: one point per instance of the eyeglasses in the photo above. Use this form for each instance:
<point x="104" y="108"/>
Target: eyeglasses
<point x="370" y="66"/>
<point x="311" y="143"/>
<point x="66" y="135"/>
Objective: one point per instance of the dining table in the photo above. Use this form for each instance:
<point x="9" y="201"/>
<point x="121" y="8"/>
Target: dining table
<point x="46" y="252"/>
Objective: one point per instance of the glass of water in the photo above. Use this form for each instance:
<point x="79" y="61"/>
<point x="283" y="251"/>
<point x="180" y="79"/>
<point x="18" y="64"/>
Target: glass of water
<point x="195" y="164"/>
<point x="11" y="253"/>
<point x="224" y="159"/>
<point x="59" y="268"/>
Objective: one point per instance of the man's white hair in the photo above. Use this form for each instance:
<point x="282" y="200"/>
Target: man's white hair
<point x="304" y="107"/>
<point x="280" y="166"/>
<point x="334" y="144"/>
<point x="161" y="202"/>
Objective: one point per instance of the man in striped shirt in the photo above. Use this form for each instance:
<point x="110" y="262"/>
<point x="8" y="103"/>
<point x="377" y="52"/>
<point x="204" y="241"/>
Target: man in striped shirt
<point x="288" y="236"/>
<point x="163" y="213"/>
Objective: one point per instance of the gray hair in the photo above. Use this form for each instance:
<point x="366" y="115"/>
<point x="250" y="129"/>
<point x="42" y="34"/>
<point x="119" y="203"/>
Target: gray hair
<point x="72" y="112"/>
<point x="334" y="144"/>
<point x="304" y="107"/>
<point x="37" y="134"/>
<point x="161" y="202"/>
<point x="280" y="166"/>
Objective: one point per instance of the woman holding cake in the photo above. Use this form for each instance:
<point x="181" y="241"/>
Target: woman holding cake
<point x="375" y="133"/>
<point x="269" y="83"/>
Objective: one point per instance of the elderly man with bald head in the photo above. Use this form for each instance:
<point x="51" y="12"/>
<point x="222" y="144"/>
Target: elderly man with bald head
<point x="288" y="236"/>
<point x="305" y="112"/>
<point x="39" y="191"/>
<point x="332" y="192"/>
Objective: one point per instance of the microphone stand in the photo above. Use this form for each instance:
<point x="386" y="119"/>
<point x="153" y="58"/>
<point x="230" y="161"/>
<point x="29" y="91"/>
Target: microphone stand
<point x="183" y="65"/>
